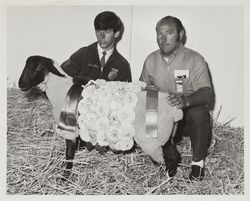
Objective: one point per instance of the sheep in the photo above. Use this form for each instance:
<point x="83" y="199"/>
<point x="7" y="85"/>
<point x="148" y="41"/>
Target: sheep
<point x="47" y="75"/>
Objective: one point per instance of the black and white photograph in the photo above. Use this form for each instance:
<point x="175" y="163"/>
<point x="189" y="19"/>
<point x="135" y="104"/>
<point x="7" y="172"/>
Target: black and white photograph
<point x="129" y="98"/>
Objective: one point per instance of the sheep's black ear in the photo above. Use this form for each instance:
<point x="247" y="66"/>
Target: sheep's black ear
<point x="53" y="69"/>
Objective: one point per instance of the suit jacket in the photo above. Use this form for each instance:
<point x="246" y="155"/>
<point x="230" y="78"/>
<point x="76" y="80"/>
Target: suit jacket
<point x="85" y="65"/>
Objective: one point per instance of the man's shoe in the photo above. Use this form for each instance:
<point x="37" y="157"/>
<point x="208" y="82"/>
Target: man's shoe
<point x="197" y="173"/>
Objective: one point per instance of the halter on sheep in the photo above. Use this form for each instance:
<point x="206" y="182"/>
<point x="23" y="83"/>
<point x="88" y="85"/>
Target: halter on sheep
<point x="40" y="71"/>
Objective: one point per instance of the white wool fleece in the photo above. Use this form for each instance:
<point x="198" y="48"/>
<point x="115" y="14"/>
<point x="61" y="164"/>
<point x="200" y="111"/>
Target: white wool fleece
<point x="56" y="90"/>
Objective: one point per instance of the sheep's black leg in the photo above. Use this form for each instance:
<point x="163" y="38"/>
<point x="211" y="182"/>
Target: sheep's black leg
<point x="171" y="157"/>
<point x="70" y="154"/>
<point x="81" y="144"/>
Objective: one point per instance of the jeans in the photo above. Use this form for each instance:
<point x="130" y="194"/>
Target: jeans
<point x="196" y="124"/>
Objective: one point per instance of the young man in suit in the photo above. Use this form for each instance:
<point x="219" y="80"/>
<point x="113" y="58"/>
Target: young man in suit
<point x="100" y="60"/>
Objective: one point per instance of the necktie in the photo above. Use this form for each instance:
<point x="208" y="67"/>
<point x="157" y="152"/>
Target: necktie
<point x="103" y="58"/>
<point x="103" y="61"/>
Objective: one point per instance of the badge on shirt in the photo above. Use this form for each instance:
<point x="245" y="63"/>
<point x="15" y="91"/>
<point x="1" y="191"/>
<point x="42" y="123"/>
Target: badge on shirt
<point x="113" y="74"/>
<point x="93" y="65"/>
<point x="179" y="76"/>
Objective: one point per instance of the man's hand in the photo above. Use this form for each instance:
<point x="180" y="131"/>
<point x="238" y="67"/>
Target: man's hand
<point x="200" y="97"/>
<point x="176" y="100"/>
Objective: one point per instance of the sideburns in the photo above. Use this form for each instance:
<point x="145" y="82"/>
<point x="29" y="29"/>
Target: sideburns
<point x="178" y="37"/>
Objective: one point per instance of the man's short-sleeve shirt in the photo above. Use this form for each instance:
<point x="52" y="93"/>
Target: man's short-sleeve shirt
<point x="186" y="63"/>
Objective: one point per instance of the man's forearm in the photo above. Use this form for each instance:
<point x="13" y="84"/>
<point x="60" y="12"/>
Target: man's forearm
<point x="200" y="97"/>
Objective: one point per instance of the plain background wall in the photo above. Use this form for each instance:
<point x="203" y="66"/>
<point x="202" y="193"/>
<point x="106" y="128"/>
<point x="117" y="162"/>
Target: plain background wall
<point x="216" y="32"/>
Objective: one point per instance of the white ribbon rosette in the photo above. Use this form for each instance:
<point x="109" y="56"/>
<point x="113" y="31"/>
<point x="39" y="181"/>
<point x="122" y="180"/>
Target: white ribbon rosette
<point x="107" y="113"/>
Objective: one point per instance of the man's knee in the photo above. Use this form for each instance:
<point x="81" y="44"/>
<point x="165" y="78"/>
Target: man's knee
<point x="197" y="115"/>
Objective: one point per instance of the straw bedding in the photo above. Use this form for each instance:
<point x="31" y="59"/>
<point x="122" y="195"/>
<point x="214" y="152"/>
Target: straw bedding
<point x="36" y="158"/>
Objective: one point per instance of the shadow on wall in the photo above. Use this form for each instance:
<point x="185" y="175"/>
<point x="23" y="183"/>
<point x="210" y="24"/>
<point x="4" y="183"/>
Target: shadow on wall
<point x="121" y="33"/>
<point x="212" y="101"/>
<point x="211" y="104"/>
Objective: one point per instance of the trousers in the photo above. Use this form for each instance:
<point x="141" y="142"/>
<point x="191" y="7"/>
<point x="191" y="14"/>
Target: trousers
<point x="196" y="124"/>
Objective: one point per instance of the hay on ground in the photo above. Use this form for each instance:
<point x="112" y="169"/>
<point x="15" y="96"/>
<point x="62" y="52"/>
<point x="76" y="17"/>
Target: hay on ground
<point x="36" y="158"/>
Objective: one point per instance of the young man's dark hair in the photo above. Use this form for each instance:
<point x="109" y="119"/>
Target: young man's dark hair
<point x="107" y="20"/>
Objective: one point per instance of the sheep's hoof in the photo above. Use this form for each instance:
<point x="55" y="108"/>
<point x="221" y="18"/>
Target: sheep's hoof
<point x="171" y="172"/>
<point x="65" y="175"/>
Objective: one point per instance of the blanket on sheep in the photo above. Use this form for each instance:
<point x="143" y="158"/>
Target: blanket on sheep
<point x="107" y="113"/>
<point x="113" y="114"/>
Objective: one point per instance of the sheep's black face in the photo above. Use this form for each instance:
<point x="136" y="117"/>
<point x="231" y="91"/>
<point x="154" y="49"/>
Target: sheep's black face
<point x="34" y="72"/>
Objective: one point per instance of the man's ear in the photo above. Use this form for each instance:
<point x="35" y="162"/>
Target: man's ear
<point x="117" y="34"/>
<point x="181" y="34"/>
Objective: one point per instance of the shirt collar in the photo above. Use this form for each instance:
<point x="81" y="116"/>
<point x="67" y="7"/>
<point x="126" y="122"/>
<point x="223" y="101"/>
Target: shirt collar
<point x="100" y="51"/>
<point x="173" y="55"/>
